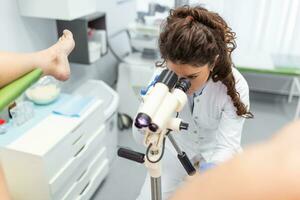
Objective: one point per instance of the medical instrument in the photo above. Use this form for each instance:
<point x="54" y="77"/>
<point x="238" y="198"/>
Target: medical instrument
<point x="155" y="118"/>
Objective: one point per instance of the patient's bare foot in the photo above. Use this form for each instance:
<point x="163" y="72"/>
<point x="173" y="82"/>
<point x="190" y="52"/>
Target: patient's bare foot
<point x="55" y="58"/>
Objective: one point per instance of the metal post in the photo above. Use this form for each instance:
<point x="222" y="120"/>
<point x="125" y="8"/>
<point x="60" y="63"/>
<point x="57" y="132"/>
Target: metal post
<point x="156" y="188"/>
<point x="177" y="148"/>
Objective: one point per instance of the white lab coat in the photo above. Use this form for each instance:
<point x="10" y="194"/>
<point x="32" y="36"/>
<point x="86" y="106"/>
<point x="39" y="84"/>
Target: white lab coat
<point x="214" y="132"/>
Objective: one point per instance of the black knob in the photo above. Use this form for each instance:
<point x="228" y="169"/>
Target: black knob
<point x="183" y="126"/>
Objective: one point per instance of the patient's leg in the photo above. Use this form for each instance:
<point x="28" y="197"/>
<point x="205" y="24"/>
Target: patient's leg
<point x="57" y="63"/>
<point x="53" y="61"/>
<point x="4" y="195"/>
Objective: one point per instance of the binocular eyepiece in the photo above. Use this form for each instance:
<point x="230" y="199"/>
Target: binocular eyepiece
<point x="170" y="81"/>
<point x="183" y="84"/>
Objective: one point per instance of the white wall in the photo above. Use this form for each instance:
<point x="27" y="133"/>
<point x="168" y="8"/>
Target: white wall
<point x="119" y="13"/>
<point x="270" y="26"/>
<point x="23" y="34"/>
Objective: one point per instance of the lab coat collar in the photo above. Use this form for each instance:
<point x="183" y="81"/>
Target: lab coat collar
<point x="201" y="89"/>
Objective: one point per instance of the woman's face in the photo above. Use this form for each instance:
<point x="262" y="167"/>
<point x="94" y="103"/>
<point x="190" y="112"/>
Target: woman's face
<point x="197" y="75"/>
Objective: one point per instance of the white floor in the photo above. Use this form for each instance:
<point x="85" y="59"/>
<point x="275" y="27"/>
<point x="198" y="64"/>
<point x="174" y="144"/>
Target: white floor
<point x="126" y="177"/>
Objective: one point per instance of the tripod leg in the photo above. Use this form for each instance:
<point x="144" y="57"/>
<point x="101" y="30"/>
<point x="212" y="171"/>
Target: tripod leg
<point x="156" y="188"/>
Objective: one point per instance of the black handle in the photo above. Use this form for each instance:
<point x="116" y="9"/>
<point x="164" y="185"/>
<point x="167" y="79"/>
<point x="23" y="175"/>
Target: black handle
<point x="183" y="126"/>
<point x="131" y="155"/>
<point x="186" y="163"/>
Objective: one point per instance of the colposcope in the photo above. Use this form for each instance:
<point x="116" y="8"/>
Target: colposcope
<point x="156" y="119"/>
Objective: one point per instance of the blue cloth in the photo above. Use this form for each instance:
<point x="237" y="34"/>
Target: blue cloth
<point x="74" y="106"/>
<point x="206" y="166"/>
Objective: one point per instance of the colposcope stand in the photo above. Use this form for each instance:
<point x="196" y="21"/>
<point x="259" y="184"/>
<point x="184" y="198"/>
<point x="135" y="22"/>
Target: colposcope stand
<point x="156" y="193"/>
<point x="155" y="117"/>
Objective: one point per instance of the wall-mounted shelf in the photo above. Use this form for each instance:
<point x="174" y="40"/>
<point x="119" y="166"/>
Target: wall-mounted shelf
<point x="56" y="9"/>
<point x="90" y="37"/>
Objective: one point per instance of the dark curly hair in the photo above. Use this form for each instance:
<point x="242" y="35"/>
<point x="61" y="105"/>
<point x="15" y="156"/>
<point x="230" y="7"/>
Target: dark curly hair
<point x="195" y="36"/>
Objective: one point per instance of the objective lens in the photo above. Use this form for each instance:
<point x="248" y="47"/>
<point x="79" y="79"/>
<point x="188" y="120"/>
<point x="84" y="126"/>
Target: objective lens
<point x="153" y="127"/>
<point x="142" y="120"/>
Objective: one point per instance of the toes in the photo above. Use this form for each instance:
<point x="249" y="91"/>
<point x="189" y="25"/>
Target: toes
<point x="67" y="34"/>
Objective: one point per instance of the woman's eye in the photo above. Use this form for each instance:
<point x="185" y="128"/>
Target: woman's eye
<point x="192" y="77"/>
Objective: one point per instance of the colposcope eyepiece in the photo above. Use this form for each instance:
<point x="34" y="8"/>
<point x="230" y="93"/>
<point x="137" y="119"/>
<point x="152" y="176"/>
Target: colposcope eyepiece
<point x="142" y="120"/>
<point x="169" y="78"/>
<point x="183" y="84"/>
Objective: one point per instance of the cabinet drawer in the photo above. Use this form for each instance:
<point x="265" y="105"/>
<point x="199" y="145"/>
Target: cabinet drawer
<point x="90" y="179"/>
<point x="90" y="188"/>
<point x="73" y="143"/>
<point x="66" y="176"/>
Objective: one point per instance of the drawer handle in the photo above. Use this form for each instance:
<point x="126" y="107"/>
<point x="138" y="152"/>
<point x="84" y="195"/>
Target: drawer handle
<point x="81" y="175"/>
<point x="79" y="151"/>
<point x="84" y="189"/>
<point x="77" y="139"/>
<point x="76" y="128"/>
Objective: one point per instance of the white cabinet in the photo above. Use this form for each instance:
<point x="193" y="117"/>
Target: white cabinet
<point x="59" y="158"/>
<point x="110" y="97"/>
<point x="57" y="9"/>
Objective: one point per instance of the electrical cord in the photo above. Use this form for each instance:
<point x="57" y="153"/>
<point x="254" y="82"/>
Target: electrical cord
<point x="161" y="155"/>
<point x="163" y="147"/>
